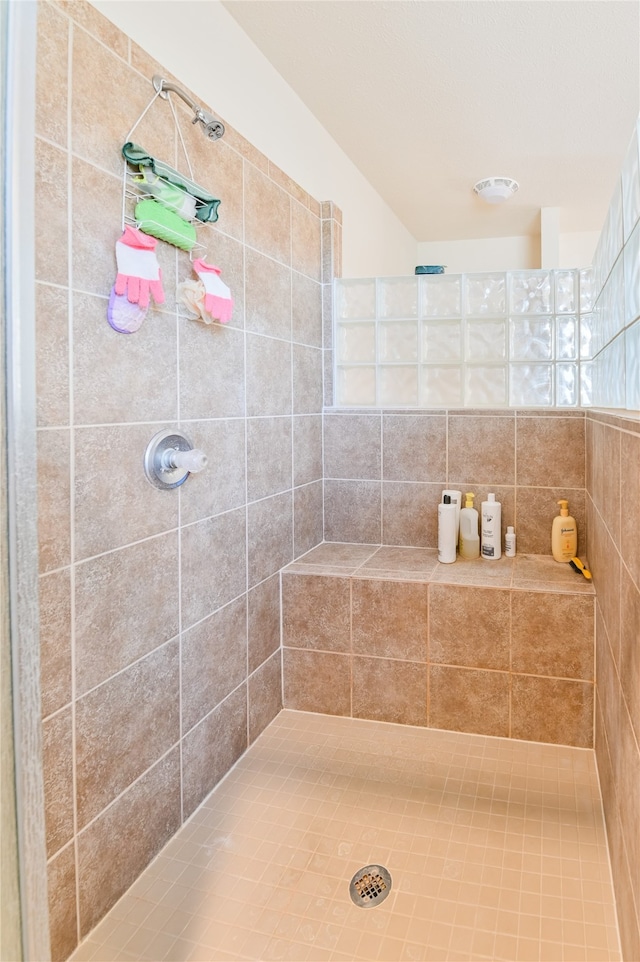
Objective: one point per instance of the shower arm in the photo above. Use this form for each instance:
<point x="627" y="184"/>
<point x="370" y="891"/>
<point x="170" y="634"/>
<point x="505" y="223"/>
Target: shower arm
<point x="213" y="128"/>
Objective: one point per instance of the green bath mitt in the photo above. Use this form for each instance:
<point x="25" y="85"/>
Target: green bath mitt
<point x="154" y="219"/>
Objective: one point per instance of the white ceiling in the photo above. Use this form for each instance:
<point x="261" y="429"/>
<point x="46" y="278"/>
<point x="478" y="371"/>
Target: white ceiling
<point x="429" y="96"/>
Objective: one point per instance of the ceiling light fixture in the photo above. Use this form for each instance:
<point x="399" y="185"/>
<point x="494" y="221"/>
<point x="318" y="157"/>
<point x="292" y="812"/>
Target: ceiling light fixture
<point x="495" y="190"/>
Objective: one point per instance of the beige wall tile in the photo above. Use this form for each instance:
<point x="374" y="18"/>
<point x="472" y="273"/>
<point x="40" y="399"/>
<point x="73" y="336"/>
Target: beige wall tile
<point x="54" y="518"/>
<point x="135" y="379"/>
<point x="63" y="922"/>
<point x="55" y="640"/>
<point x="52" y="356"/>
<point x="57" y="764"/>
<point x="317" y="681"/>
<point x="392" y="691"/>
<point x="214" y="661"/>
<point x="608" y="686"/>
<point x="550" y="452"/>
<point x="552" y="710"/>
<point x="316" y="612"/>
<point x="305" y="241"/>
<point x="552" y="635"/>
<point x="268" y="376"/>
<point x="352" y="511"/>
<point x="96" y="217"/>
<point x="610" y="504"/>
<point x="213" y="564"/>
<point x="118" y="845"/>
<point x="267" y="225"/>
<point x="210" y="749"/>
<point x="269" y="536"/>
<point x="390" y="619"/>
<point x="463" y="699"/>
<point x="51" y="74"/>
<point x="212" y="380"/>
<point x="352" y="446"/>
<point x="307" y="448"/>
<point x="482" y="449"/>
<point x="410" y="513"/>
<point x="269" y="457"/>
<point x="469" y="626"/>
<point x="307" y="517"/>
<point x="604" y="562"/>
<point x="414" y="448"/>
<point x="629" y="647"/>
<point x="51" y="226"/>
<point x="629" y="474"/>
<point x="627" y="777"/>
<point x="124" y="726"/>
<point x="222" y="485"/>
<point x="87" y="17"/>
<point x="106" y="517"/>
<point x="263" y="616"/>
<point x="126" y="605"/>
<point x="217" y="166"/>
<point x="307" y="379"/>
<point x="265" y="695"/>
<point x="306" y="310"/>
<point x="537" y="507"/>
<point x="268" y="296"/>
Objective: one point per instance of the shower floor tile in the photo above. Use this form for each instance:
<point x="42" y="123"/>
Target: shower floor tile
<point x="496" y="850"/>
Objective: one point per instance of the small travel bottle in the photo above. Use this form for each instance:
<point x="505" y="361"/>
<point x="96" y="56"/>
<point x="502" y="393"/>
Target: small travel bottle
<point x="446" y="531"/>
<point x="564" y="534"/>
<point x="510" y="542"/>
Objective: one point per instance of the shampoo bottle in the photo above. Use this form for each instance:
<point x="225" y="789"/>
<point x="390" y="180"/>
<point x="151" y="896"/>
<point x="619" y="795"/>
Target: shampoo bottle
<point x="469" y="537"/>
<point x="490" y="538"/>
<point x="564" y="534"/>
<point x="446" y="531"/>
<point x="456" y="501"/>
<point x="510" y="542"/>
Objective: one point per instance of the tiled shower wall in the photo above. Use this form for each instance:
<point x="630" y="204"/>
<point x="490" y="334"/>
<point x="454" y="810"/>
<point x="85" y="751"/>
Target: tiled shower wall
<point x="159" y="609"/>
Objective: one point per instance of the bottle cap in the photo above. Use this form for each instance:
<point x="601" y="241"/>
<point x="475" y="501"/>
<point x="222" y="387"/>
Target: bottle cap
<point x="469" y="499"/>
<point x="510" y="529"/>
<point x="564" y="508"/>
<point x="491" y="497"/>
<point x="446" y="499"/>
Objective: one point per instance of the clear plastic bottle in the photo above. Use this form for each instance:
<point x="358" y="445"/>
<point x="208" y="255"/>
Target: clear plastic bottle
<point x="469" y="537"/>
<point x="491" y="515"/>
<point x="510" y="542"/>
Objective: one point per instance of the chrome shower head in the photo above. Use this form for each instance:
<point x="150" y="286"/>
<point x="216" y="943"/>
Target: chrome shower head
<point x="213" y="128"/>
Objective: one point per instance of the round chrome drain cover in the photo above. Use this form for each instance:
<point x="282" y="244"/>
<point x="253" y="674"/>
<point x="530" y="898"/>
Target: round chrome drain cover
<point x="370" y="886"/>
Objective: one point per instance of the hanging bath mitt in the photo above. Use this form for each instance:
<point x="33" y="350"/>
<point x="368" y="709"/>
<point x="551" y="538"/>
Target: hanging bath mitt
<point x="218" y="301"/>
<point x="123" y="316"/>
<point x="152" y="218"/>
<point x="138" y="270"/>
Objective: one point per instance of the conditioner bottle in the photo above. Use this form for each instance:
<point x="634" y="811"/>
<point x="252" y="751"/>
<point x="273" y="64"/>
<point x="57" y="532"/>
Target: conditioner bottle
<point x="564" y="534"/>
<point x="469" y="537"/>
<point x="491" y="530"/>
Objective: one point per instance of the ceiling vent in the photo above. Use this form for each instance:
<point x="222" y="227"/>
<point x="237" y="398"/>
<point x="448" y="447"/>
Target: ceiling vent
<point x="495" y="190"/>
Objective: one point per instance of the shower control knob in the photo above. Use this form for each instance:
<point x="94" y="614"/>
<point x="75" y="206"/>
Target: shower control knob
<point x="170" y="458"/>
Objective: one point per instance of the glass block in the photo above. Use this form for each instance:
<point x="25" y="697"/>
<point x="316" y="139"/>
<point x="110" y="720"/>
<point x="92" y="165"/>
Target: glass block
<point x="631" y="185"/>
<point x="616" y="303"/>
<point x="612" y="374"/>
<point x="356" y="298"/>
<point x="398" y="341"/>
<point x="566" y="338"/>
<point x="485" y="386"/>
<point x="485" y="294"/>
<point x="531" y="385"/>
<point x="441" y="296"/>
<point x="586" y="387"/>
<point x="531" y="338"/>
<point x="398" y="297"/>
<point x="398" y="385"/>
<point x="586" y="336"/>
<point x="566" y="385"/>
<point x="632" y="359"/>
<point x="486" y="340"/>
<point x="441" y="341"/>
<point x="586" y="290"/>
<point x="566" y="284"/>
<point x="356" y="386"/>
<point x="441" y="386"/>
<point x="356" y="342"/>
<point x="531" y="292"/>
<point x="632" y="276"/>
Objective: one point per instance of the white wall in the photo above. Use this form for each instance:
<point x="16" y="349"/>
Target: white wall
<point x="577" y="250"/>
<point x="486" y="254"/>
<point x="203" y="46"/>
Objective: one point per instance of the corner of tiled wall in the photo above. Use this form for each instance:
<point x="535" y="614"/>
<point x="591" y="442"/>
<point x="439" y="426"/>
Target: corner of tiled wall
<point x="160" y="622"/>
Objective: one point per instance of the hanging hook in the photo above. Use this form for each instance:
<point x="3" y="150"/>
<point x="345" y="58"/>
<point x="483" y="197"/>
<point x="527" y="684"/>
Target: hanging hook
<point x="213" y="128"/>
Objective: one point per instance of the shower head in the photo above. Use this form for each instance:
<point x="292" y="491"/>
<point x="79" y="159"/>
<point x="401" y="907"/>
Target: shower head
<point x="213" y="128"/>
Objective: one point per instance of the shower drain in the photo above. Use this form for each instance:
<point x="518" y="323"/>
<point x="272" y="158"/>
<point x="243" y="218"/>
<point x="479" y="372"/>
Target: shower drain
<point x="370" y="886"/>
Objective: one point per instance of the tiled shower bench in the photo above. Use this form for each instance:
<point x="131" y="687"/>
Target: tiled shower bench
<point x="490" y="647"/>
